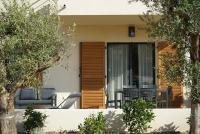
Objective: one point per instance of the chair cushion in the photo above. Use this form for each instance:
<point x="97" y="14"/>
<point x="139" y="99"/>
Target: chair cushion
<point x="28" y="94"/>
<point x="43" y="102"/>
<point x="46" y="93"/>
<point x="28" y="102"/>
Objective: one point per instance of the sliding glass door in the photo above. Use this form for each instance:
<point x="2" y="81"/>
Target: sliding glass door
<point x="130" y="64"/>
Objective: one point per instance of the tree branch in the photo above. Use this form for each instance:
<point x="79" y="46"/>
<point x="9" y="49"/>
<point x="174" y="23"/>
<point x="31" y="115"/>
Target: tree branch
<point x="194" y="48"/>
<point x="48" y="65"/>
<point x="21" y="84"/>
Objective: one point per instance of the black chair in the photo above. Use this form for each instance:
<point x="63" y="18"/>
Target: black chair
<point x="147" y="92"/>
<point x="130" y="93"/>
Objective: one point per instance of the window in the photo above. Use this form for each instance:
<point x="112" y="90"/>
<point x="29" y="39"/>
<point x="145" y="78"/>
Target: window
<point x="130" y="64"/>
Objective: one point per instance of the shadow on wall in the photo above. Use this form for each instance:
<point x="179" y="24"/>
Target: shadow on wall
<point x="19" y="121"/>
<point x="114" y="120"/>
<point x="167" y="128"/>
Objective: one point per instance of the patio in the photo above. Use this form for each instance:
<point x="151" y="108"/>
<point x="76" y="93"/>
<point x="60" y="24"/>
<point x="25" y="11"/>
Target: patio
<point x="46" y="97"/>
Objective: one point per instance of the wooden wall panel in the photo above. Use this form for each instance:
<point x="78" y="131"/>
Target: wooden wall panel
<point x="177" y="90"/>
<point x="92" y="55"/>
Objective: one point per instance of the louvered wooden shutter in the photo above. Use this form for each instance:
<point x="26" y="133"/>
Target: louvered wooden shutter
<point x="177" y="90"/>
<point x="92" y="73"/>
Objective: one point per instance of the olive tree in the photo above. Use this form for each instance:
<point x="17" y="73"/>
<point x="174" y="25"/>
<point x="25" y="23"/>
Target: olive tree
<point x="179" y="24"/>
<point x="30" y="42"/>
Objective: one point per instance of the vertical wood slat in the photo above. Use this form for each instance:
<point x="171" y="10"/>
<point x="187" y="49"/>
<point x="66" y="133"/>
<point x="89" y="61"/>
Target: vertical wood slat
<point x="92" y="73"/>
<point x="177" y="90"/>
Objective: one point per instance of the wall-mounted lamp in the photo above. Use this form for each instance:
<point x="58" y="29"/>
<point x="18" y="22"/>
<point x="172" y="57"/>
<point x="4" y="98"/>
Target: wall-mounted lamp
<point x="62" y="8"/>
<point x="131" y="31"/>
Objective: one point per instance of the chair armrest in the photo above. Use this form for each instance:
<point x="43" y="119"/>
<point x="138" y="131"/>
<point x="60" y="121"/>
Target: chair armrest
<point x="53" y="99"/>
<point x="16" y="100"/>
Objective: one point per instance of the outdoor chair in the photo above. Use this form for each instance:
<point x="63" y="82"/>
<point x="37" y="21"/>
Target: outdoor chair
<point x="148" y="92"/>
<point x="163" y="98"/>
<point x="130" y="93"/>
<point x="30" y="96"/>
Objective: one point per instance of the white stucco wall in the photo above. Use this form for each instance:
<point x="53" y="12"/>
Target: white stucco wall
<point x="101" y="7"/>
<point x="63" y="119"/>
<point x="93" y="7"/>
<point x="64" y="77"/>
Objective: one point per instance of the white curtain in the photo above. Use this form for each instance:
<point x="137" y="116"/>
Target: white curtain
<point x="117" y="68"/>
<point x="145" y="61"/>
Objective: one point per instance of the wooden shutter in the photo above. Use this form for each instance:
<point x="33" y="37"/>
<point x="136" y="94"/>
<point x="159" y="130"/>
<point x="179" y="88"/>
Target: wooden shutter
<point x="177" y="90"/>
<point x="92" y="74"/>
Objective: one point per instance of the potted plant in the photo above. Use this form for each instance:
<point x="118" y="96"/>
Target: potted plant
<point x="34" y="121"/>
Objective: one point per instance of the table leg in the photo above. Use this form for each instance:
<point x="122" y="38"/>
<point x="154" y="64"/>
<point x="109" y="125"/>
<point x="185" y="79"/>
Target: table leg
<point x="115" y="100"/>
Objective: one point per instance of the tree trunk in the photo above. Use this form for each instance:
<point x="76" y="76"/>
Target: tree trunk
<point x="7" y="116"/>
<point x="195" y="119"/>
<point x="195" y="103"/>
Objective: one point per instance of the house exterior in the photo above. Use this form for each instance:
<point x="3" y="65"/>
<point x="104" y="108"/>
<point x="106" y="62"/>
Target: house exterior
<point x="110" y="48"/>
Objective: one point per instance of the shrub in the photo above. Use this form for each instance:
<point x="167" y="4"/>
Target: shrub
<point x="137" y="114"/>
<point x="33" y="119"/>
<point x="93" y="124"/>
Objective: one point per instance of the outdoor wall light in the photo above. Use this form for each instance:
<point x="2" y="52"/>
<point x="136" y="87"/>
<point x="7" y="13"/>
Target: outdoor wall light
<point x="62" y="8"/>
<point x="131" y="31"/>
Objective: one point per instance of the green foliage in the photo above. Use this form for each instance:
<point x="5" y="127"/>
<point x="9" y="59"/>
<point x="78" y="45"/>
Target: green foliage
<point x="33" y="119"/>
<point x="171" y="67"/>
<point x="29" y="40"/>
<point x="93" y="124"/>
<point x="137" y="114"/>
<point x="178" y="21"/>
